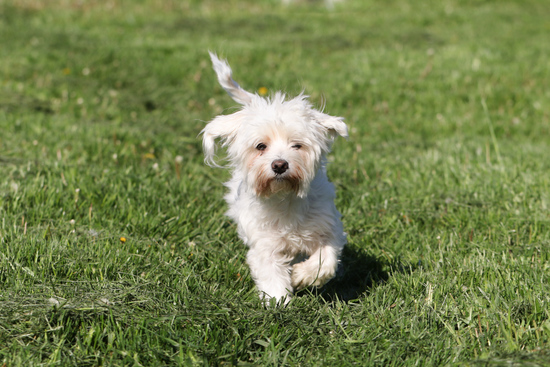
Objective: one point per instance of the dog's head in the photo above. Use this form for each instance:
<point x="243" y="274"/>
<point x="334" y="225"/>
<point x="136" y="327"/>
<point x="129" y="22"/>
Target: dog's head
<point x="277" y="144"/>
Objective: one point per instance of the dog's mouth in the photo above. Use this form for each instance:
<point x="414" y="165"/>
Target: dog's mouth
<point x="279" y="183"/>
<point x="284" y="183"/>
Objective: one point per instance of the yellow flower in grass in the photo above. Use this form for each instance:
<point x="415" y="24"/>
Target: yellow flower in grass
<point x="262" y="91"/>
<point x="122" y="239"/>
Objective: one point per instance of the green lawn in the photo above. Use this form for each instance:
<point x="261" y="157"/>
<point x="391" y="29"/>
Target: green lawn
<point x="114" y="249"/>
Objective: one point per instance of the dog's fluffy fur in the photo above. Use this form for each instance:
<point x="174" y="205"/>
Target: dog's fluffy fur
<point x="279" y="194"/>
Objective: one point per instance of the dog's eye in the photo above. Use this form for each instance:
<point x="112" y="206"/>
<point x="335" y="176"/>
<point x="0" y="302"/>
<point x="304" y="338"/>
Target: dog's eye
<point x="261" y="146"/>
<point x="297" y="146"/>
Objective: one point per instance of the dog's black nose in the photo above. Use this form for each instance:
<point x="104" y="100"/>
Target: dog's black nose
<point x="279" y="166"/>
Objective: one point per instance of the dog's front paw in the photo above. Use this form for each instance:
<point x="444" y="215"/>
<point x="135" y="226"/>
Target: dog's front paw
<point x="306" y="274"/>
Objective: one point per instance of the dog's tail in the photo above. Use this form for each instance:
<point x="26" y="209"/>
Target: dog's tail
<point x="225" y="78"/>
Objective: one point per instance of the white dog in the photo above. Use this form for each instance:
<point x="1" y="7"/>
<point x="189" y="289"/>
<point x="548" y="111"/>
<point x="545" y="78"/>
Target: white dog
<point x="279" y="194"/>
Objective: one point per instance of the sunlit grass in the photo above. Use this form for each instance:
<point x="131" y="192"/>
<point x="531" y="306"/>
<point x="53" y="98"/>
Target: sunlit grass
<point x="114" y="249"/>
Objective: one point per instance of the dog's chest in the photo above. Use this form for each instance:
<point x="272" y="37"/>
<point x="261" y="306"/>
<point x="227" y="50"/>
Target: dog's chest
<point x="297" y="235"/>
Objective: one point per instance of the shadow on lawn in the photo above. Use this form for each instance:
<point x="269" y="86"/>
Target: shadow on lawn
<point x="357" y="273"/>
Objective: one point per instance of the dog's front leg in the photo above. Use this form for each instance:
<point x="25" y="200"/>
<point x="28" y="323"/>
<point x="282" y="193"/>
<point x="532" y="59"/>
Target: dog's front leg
<point x="270" y="270"/>
<point x="318" y="269"/>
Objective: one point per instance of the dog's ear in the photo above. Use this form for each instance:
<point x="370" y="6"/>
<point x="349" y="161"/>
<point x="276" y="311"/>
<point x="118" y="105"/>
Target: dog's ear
<point x="334" y="125"/>
<point x="225" y="78"/>
<point x="223" y="127"/>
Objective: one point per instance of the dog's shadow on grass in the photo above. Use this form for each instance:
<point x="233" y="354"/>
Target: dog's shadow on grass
<point x="357" y="274"/>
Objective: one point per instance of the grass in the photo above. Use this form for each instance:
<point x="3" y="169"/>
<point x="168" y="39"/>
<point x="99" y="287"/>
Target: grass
<point x="113" y="245"/>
